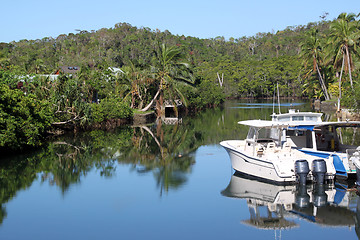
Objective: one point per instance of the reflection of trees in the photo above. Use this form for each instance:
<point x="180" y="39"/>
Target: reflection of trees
<point x="173" y="175"/>
<point x="166" y="151"/>
<point x="15" y="174"/>
<point x="3" y="214"/>
<point x="64" y="165"/>
<point x="65" y="161"/>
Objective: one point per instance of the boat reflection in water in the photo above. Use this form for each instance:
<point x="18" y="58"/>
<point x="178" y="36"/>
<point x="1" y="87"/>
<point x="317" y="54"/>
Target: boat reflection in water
<point x="277" y="207"/>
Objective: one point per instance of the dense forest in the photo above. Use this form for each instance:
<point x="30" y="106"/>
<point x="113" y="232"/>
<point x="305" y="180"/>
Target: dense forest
<point x="319" y="60"/>
<point x="251" y="65"/>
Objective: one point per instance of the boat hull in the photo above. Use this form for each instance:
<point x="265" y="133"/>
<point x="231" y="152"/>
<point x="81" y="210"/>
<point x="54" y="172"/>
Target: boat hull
<point x="258" y="168"/>
<point x="342" y="172"/>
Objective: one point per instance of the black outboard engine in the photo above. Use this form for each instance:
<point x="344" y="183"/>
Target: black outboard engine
<point x="319" y="170"/>
<point x="302" y="198"/>
<point x="301" y="170"/>
<point x="320" y="196"/>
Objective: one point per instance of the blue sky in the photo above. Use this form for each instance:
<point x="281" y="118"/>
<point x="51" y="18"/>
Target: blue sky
<point x="36" y="19"/>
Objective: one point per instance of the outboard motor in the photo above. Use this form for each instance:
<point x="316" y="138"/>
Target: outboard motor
<point x="301" y="170"/>
<point x="302" y="198"/>
<point x="319" y="170"/>
<point x="320" y="196"/>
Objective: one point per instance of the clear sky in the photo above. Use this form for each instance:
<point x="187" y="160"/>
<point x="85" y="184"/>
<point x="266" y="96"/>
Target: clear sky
<point x="36" y="19"/>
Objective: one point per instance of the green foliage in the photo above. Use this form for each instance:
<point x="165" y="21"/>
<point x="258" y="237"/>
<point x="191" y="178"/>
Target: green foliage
<point x="8" y="77"/>
<point x="157" y="64"/>
<point x="205" y="94"/>
<point x="119" y="46"/>
<point x="24" y="119"/>
<point x="351" y="96"/>
<point x="110" y="108"/>
<point x="70" y="97"/>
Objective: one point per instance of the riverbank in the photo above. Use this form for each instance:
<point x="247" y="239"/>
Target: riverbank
<point x="330" y="107"/>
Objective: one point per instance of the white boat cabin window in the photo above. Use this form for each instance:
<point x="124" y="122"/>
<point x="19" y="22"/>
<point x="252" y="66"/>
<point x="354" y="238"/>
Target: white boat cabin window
<point x="284" y="118"/>
<point x="311" y="118"/>
<point x="295" y="118"/>
<point x="298" y="118"/>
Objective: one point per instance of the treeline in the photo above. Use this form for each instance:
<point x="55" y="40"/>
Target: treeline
<point x="332" y="61"/>
<point x="251" y="65"/>
<point x="126" y="45"/>
<point x="318" y="60"/>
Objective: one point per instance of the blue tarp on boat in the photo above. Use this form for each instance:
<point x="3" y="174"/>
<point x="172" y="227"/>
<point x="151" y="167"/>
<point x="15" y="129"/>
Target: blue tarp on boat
<point x="304" y="127"/>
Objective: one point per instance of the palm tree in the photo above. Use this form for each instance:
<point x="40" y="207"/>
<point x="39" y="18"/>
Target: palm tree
<point x="344" y="34"/>
<point x="310" y="52"/>
<point x="137" y="82"/>
<point x="39" y="66"/>
<point x="168" y="73"/>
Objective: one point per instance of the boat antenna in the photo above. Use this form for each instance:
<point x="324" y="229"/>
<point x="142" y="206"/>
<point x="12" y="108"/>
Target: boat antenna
<point x="277" y="85"/>
<point x="274" y="101"/>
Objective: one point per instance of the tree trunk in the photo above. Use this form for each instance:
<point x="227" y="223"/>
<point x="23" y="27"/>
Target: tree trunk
<point x="349" y="65"/>
<point x="152" y="101"/>
<point x="342" y="68"/>
<point x="322" y="83"/>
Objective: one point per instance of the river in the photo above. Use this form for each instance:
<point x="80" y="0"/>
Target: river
<point x="160" y="181"/>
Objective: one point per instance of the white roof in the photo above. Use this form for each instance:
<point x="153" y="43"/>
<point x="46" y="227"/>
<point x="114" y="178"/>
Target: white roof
<point x="276" y="124"/>
<point x="115" y="70"/>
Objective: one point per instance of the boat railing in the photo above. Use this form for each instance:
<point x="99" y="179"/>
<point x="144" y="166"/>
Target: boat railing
<point x="350" y="154"/>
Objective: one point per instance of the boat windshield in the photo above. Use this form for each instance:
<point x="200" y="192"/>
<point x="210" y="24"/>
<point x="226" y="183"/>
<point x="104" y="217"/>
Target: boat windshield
<point x="268" y="134"/>
<point x="263" y="134"/>
<point x="251" y="133"/>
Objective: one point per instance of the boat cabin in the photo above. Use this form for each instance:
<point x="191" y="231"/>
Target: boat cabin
<point x="328" y="137"/>
<point x="301" y="130"/>
<point x="296" y="116"/>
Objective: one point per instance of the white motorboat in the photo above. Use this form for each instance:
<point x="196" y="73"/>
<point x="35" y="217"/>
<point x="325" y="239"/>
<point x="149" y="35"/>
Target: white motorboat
<point x="278" y="150"/>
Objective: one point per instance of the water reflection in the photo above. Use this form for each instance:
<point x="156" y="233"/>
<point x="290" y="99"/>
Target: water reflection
<point x="165" y="152"/>
<point x="267" y="105"/>
<point x="274" y="206"/>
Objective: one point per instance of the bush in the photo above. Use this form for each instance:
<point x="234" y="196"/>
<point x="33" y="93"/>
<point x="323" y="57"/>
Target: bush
<point x="351" y="97"/>
<point x="24" y="119"/>
<point x="110" y="108"/>
<point x="205" y="94"/>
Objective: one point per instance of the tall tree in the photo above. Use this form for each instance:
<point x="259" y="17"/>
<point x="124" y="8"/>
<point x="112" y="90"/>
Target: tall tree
<point x="169" y="72"/>
<point x="344" y="33"/>
<point x="310" y="52"/>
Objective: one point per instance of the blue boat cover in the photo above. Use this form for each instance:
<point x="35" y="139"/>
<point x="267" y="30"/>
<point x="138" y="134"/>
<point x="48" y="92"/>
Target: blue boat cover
<point x="303" y="127"/>
<point x="339" y="196"/>
<point x="339" y="166"/>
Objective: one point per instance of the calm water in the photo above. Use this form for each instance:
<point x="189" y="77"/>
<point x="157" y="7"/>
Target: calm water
<point x="163" y="182"/>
